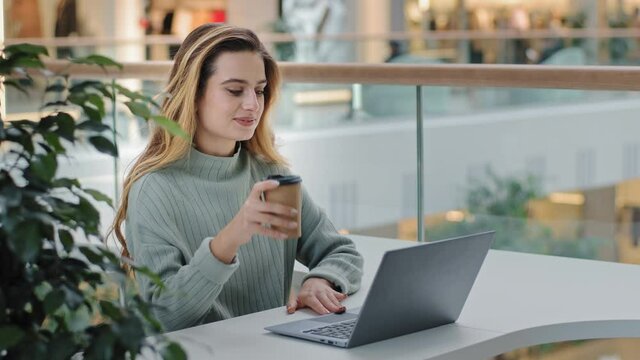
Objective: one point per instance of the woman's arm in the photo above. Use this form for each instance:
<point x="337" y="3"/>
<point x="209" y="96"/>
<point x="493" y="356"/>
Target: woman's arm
<point x="191" y="283"/>
<point x="328" y="255"/>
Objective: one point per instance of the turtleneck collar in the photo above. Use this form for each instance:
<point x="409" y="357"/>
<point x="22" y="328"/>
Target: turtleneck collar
<point x="215" y="168"/>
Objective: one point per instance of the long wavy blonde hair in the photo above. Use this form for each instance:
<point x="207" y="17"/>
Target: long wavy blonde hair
<point x="193" y="65"/>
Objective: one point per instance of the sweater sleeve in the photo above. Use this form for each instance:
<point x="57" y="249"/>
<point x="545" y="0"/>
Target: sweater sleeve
<point x="192" y="280"/>
<point x="326" y="253"/>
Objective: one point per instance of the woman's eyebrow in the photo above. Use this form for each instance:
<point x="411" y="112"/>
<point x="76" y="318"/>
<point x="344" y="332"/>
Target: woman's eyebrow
<point x="241" y="81"/>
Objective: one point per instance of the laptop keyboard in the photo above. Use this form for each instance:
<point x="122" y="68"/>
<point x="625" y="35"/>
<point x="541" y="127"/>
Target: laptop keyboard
<point x="341" y="330"/>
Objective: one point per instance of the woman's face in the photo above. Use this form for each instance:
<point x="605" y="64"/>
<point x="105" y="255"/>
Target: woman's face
<point x="232" y="103"/>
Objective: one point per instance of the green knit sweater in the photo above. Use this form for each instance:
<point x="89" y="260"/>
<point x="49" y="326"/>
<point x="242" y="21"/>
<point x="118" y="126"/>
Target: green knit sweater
<point x="174" y="212"/>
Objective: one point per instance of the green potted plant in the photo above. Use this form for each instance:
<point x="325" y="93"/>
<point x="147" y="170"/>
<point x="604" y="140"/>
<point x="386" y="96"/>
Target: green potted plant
<point x="60" y="296"/>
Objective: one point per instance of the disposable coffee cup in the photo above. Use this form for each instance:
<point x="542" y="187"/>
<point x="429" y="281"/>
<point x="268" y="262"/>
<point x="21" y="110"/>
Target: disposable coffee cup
<point x="289" y="193"/>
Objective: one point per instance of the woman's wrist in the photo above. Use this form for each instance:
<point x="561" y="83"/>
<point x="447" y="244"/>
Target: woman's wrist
<point x="223" y="247"/>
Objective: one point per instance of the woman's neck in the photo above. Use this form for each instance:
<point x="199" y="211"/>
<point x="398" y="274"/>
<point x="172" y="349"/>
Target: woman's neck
<point x="217" y="148"/>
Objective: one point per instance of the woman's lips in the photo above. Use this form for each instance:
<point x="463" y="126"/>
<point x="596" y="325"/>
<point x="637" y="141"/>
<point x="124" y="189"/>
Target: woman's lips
<point x="245" y="121"/>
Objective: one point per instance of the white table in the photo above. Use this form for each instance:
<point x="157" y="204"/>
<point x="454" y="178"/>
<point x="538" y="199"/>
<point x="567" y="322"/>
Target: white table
<point x="518" y="300"/>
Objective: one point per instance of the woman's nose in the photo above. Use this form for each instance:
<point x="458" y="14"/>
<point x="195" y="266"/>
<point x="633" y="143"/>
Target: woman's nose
<point x="250" y="101"/>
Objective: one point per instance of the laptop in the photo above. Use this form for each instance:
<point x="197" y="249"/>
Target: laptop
<point x="415" y="288"/>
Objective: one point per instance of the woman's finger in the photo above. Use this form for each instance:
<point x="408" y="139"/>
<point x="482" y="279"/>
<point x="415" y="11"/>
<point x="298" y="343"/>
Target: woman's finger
<point x="274" y="221"/>
<point x="292" y="303"/>
<point x="340" y="296"/>
<point x="272" y="233"/>
<point x="315" y="304"/>
<point x="262" y="186"/>
<point x="275" y="208"/>
<point x="329" y="302"/>
<point x="332" y="296"/>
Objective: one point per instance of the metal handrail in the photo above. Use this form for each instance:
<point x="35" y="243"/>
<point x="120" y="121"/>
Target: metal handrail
<point x="463" y="75"/>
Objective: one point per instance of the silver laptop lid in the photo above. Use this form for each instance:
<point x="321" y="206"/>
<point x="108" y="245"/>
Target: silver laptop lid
<point x="420" y="287"/>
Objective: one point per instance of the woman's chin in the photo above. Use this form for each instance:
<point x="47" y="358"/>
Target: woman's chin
<point x="246" y="136"/>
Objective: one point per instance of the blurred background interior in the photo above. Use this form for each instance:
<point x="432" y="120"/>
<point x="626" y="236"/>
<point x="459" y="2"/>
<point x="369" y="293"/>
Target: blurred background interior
<point x="555" y="172"/>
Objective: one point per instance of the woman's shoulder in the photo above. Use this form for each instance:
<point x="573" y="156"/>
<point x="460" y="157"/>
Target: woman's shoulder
<point x="154" y="182"/>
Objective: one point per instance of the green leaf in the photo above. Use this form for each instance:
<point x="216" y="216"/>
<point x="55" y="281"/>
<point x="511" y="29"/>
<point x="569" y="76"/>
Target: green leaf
<point x="91" y="125"/>
<point x="62" y="346"/>
<point x="138" y="109"/>
<point x="171" y="126"/>
<point x="10" y="335"/>
<point x="110" y="256"/>
<point x="53" y="301"/>
<point x="99" y="196"/>
<point x="93" y="256"/>
<point x="147" y="314"/>
<point x="28" y="62"/>
<point x="16" y="85"/>
<point x="42" y="289"/>
<point x="46" y="123"/>
<point x="173" y="351"/>
<point x="76" y="320"/>
<point x="99" y="60"/>
<point x="134" y="95"/>
<point x="54" y="141"/>
<point x="12" y="196"/>
<point x="45" y="166"/>
<point x="26" y="49"/>
<point x="83" y="100"/>
<point x="88" y="86"/>
<point x="84" y="85"/>
<point x="110" y="310"/>
<point x="27" y="240"/>
<point x="66" y="239"/>
<point x="155" y="278"/>
<point x="87" y="216"/>
<point x="3" y="307"/>
<point x="66" y="183"/>
<point x="101" y="346"/>
<point x="66" y="126"/>
<point x="57" y="88"/>
<point x="104" y="145"/>
<point x="73" y="297"/>
<point x="130" y="332"/>
<point x="92" y="113"/>
<point x="97" y="102"/>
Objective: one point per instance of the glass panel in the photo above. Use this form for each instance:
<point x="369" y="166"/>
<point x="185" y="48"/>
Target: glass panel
<point x="551" y="177"/>
<point x="360" y="169"/>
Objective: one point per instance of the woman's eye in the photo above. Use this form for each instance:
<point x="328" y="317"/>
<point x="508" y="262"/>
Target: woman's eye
<point x="235" y="92"/>
<point x="260" y="92"/>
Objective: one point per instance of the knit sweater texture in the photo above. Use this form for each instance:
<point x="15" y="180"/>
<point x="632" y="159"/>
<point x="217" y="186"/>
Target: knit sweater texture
<point x="174" y="213"/>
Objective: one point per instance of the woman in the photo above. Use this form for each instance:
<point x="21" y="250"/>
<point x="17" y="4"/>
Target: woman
<point x="192" y="208"/>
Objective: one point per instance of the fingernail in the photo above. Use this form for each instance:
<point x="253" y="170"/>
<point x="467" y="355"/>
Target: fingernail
<point x="294" y="212"/>
<point x="293" y="225"/>
<point x="341" y="310"/>
<point x="274" y="182"/>
<point x="283" y="236"/>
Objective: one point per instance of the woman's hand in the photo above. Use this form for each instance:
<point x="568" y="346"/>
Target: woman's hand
<point x="317" y="294"/>
<point x="254" y="217"/>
